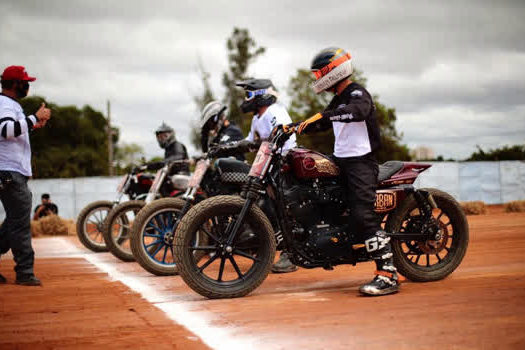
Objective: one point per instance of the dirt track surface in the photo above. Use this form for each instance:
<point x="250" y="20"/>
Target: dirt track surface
<point x="480" y="306"/>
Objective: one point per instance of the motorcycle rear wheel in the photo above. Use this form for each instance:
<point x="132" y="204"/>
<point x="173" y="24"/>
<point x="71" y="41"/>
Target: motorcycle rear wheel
<point x="117" y="229"/>
<point x="225" y="271"/>
<point x="90" y="222"/>
<point x="440" y="258"/>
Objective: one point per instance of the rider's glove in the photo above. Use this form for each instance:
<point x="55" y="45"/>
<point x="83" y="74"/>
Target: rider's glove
<point x="232" y="149"/>
<point x="303" y="127"/>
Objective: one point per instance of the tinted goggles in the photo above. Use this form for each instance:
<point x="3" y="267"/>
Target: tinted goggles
<point x="251" y="94"/>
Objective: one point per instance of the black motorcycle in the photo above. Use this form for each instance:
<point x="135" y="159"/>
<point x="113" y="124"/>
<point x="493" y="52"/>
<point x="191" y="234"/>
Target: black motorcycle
<point x="90" y="220"/>
<point x="116" y="229"/>
<point x="154" y="226"/>
<point x="428" y="228"/>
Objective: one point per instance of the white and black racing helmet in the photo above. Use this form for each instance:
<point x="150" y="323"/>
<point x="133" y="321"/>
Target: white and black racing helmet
<point x="329" y="67"/>
<point x="212" y="116"/>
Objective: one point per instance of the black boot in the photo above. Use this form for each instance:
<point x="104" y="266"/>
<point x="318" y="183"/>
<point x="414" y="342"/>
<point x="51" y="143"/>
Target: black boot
<point x="386" y="280"/>
<point x="283" y="265"/>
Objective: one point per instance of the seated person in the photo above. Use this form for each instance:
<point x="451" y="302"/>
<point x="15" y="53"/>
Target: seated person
<point x="45" y="208"/>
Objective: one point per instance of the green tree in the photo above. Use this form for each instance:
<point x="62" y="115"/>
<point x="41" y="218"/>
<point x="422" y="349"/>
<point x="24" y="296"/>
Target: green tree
<point x="127" y="155"/>
<point x="242" y="51"/>
<point x="73" y="143"/>
<point x="305" y="103"/>
<point x="201" y="101"/>
<point x="516" y="152"/>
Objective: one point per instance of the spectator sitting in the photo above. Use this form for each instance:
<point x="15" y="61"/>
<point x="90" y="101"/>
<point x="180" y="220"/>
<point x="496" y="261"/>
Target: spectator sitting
<point x="45" y="208"/>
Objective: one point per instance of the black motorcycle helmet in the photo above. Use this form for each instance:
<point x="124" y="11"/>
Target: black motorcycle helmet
<point x="259" y="93"/>
<point x="329" y="67"/>
<point x="165" y="135"/>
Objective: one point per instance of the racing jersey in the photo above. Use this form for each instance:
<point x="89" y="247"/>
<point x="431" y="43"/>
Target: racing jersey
<point x="262" y="125"/>
<point x="353" y="119"/>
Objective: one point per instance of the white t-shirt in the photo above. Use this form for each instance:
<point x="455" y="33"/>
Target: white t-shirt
<point x="15" y="149"/>
<point x="263" y="125"/>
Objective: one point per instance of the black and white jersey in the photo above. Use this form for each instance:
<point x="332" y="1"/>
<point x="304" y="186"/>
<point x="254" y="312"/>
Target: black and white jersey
<point x="353" y="119"/>
<point x="15" y="148"/>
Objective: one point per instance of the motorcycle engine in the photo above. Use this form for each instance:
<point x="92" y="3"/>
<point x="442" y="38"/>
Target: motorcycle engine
<point x="319" y="218"/>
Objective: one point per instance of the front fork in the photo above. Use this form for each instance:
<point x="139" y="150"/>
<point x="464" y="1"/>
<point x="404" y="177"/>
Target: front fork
<point x="251" y="192"/>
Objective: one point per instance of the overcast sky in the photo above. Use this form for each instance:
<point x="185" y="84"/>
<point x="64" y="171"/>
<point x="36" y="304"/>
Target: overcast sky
<point x="454" y="70"/>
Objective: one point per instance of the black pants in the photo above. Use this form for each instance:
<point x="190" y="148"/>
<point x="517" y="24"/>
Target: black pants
<point x="360" y="176"/>
<point x="15" y="232"/>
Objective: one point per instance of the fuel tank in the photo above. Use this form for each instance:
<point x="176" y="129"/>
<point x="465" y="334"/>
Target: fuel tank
<point x="307" y="164"/>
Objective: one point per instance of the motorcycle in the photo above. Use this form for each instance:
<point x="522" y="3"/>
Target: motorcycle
<point x="154" y="226"/>
<point x="91" y="218"/>
<point x="116" y="228"/>
<point x="428" y="229"/>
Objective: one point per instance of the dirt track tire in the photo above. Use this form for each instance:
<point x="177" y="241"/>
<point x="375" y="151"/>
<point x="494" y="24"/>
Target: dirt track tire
<point x="114" y="244"/>
<point x="418" y="273"/>
<point x="99" y="206"/>
<point x="137" y="246"/>
<point x="202" y="213"/>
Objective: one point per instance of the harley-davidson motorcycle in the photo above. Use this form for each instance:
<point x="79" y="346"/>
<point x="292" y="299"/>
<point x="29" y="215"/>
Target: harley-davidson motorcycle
<point x="154" y="227"/>
<point x="91" y="218"/>
<point x="116" y="228"/>
<point x="428" y="229"/>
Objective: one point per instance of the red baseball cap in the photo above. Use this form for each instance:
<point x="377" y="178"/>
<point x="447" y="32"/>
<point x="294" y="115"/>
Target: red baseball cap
<point x="16" y="73"/>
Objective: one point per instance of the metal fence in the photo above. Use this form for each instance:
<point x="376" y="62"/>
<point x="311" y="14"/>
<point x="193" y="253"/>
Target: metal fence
<point x="491" y="182"/>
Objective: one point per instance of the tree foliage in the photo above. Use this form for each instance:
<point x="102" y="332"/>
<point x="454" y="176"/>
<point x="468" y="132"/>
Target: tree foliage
<point x="516" y="152"/>
<point x="305" y="103"/>
<point x="242" y="51"/>
<point x="73" y="143"/>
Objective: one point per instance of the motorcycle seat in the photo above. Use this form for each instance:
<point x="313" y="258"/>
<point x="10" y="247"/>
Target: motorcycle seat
<point x="386" y="170"/>
<point x="230" y="165"/>
<point x="232" y="170"/>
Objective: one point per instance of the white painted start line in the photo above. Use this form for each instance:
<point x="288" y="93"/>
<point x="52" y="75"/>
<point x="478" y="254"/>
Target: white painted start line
<point x="197" y="322"/>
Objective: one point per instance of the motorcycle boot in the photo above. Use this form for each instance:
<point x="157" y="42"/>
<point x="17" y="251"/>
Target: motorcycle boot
<point x="284" y="265"/>
<point x="386" y="280"/>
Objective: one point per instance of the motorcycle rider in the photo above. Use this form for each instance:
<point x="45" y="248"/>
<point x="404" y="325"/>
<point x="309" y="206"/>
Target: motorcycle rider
<point x="261" y="98"/>
<point x="217" y="129"/>
<point x="351" y="114"/>
<point x="173" y="150"/>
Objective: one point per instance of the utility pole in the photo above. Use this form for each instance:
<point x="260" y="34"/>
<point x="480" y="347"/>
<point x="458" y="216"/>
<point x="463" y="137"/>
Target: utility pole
<point x="110" y="141"/>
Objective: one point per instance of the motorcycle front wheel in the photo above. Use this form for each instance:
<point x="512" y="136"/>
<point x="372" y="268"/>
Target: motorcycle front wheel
<point x="90" y="222"/>
<point x="153" y="233"/>
<point x="117" y="229"/>
<point x="432" y="260"/>
<point x="226" y="271"/>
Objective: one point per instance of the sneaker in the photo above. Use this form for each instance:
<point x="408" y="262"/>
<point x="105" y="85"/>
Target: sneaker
<point x="283" y="265"/>
<point x="384" y="283"/>
<point x="2" y="279"/>
<point x="28" y="281"/>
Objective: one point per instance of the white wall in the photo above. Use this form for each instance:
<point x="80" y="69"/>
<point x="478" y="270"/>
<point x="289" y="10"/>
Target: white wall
<point x="491" y="182"/>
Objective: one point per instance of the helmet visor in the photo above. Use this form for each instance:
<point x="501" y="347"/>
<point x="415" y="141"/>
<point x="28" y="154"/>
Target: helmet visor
<point x="163" y="136"/>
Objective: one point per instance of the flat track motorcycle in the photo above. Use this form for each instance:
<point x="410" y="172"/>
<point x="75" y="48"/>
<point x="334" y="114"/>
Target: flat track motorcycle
<point x="116" y="229"/>
<point x="428" y="228"/>
<point x="154" y="226"/>
<point x="90" y="220"/>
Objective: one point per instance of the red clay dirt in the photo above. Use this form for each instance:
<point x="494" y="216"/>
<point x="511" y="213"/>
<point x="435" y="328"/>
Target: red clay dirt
<point x="480" y="306"/>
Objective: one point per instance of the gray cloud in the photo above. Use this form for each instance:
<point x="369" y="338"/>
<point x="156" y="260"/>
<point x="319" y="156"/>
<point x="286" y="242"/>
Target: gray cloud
<point x="453" y="71"/>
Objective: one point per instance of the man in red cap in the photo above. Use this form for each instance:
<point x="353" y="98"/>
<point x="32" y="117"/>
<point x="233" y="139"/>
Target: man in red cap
<point x="15" y="170"/>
